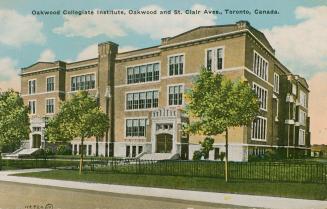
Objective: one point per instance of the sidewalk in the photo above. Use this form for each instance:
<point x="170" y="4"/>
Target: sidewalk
<point x="210" y="197"/>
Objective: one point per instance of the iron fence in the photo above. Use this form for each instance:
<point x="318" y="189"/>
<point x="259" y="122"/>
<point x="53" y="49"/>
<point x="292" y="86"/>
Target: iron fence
<point x="301" y="172"/>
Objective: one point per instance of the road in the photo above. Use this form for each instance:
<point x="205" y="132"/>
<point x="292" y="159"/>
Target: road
<point x="24" y="196"/>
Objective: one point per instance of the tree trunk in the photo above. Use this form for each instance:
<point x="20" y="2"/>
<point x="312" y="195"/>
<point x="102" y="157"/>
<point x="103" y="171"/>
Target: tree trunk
<point x="82" y="156"/>
<point x="226" y="160"/>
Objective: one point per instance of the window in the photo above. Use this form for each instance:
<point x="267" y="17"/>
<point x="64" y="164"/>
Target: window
<point x="31" y="86"/>
<point x="143" y="73"/>
<point x="36" y="129"/>
<point x="133" y="151"/>
<point x="277" y="108"/>
<point x="90" y="150"/>
<point x="259" y="129"/>
<point x="216" y="154"/>
<point x="293" y="89"/>
<point x="75" y="149"/>
<point x="215" y="59"/>
<point x="142" y="100"/>
<point x="302" y="117"/>
<point x="140" y="149"/>
<point x="135" y="128"/>
<point x="176" y="65"/>
<point x="50" y="84"/>
<point x="260" y="66"/>
<point x="262" y="95"/>
<point x="49" y="106"/>
<point x="32" y="107"/>
<point x="301" y="137"/>
<point x="276" y="83"/>
<point x="175" y="95"/>
<point x="128" y="149"/>
<point x="303" y="99"/>
<point x="83" y="82"/>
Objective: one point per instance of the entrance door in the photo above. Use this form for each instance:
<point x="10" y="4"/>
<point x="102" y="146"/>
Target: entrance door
<point x="134" y="151"/>
<point x="36" y="141"/>
<point x="164" y="143"/>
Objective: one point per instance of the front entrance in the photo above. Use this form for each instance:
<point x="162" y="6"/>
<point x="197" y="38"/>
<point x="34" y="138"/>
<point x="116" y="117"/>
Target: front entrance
<point x="164" y="143"/>
<point x="36" y="141"/>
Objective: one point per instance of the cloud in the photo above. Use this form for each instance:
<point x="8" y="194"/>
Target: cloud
<point x="47" y="56"/>
<point x="303" y="46"/>
<point x="17" y="29"/>
<point x="317" y="108"/>
<point x="88" y="53"/>
<point x="92" y="51"/>
<point x="9" y="74"/>
<point x="90" y="26"/>
<point x="126" y="49"/>
<point x="156" y="26"/>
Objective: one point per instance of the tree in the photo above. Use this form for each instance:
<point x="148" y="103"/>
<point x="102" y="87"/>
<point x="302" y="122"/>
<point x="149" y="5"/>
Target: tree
<point x="206" y="147"/>
<point x="216" y="103"/>
<point x="14" y="121"/>
<point x="80" y="117"/>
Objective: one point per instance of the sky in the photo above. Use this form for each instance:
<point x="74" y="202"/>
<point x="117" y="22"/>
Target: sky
<point x="298" y="34"/>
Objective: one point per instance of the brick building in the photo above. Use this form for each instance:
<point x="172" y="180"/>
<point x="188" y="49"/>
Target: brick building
<point x="142" y="93"/>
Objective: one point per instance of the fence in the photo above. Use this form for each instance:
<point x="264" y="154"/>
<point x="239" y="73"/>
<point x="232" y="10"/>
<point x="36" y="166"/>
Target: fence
<point x="303" y="172"/>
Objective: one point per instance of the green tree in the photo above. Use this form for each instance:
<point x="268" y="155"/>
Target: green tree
<point x="216" y="103"/>
<point x="79" y="117"/>
<point x="206" y="147"/>
<point x="14" y="121"/>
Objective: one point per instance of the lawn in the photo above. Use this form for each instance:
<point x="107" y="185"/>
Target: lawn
<point x="293" y="190"/>
<point x="36" y="163"/>
<point x="265" y="171"/>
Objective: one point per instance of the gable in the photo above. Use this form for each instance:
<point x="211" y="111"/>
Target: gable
<point x="200" y="32"/>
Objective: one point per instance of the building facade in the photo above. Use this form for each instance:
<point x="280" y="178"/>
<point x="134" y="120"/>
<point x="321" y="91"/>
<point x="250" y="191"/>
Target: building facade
<point x="142" y="91"/>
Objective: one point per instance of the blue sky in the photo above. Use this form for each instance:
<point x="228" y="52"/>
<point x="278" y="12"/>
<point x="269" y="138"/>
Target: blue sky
<point x="298" y="33"/>
<point x="68" y="47"/>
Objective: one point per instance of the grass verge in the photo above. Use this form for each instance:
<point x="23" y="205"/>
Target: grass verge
<point x="292" y="190"/>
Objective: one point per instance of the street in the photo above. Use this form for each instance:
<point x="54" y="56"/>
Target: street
<point x="24" y="196"/>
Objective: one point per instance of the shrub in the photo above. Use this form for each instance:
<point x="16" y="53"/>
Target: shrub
<point x="41" y="153"/>
<point x="48" y="151"/>
<point x="222" y="156"/>
<point x="207" y="146"/>
<point x="197" y="155"/>
<point x="63" y="150"/>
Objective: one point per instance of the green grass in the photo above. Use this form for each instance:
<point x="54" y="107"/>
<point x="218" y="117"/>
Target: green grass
<point x="32" y="163"/>
<point x="296" y="172"/>
<point x="268" y="171"/>
<point x="293" y="190"/>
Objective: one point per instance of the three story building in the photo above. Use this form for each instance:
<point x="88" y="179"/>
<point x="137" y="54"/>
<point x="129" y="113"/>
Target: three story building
<point x="142" y="92"/>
